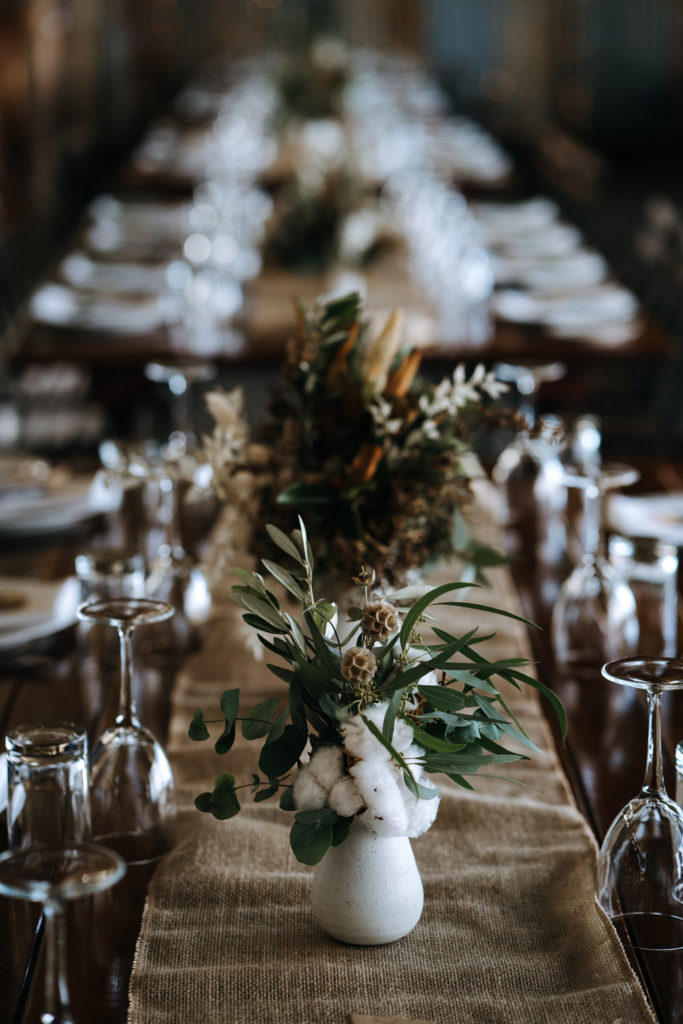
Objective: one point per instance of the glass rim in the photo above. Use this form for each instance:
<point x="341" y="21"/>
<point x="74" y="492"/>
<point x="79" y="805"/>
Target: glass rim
<point x="108" y="562"/>
<point x="646" y="673"/>
<point x="124" y="612"/>
<point x="609" y="476"/>
<point x="38" y="741"/>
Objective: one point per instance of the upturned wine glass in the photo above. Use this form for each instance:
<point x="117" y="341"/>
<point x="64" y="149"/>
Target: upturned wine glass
<point x="595" y="617"/>
<point x="640" y="867"/>
<point x="528" y="470"/>
<point x="132" y="790"/>
<point x="179" y="377"/>
<point x="54" y="875"/>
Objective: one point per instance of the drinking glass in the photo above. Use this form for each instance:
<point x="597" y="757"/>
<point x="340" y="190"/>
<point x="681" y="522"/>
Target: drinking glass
<point x="595" y="618"/>
<point x="650" y="566"/>
<point x="53" y="875"/>
<point x="47" y="785"/>
<point x="132" y="791"/>
<point x="179" y="377"/>
<point x="528" y="471"/>
<point x="640" y="867"/>
<point x="108" y="573"/>
<point x="174" y="575"/>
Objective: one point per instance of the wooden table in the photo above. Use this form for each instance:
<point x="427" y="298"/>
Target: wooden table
<point x="46" y="684"/>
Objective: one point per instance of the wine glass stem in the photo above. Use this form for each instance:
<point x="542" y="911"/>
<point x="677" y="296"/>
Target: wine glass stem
<point x="127" y="714"/>
<point x="592" y="524"/>
<point x="57" y="1009"/>
<point x="172" y="495"/>
<point x="180" y="405"/>
<point x="653" y="781"/>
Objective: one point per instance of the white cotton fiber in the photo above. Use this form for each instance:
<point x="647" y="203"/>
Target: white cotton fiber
<point x="378" y="784"/>
<point x="344" y="797"/>
<point x="327" y="766"/>
<point x="358" y="740"/>
<point x="421" y="813"/>
<point x="308" y="793"/>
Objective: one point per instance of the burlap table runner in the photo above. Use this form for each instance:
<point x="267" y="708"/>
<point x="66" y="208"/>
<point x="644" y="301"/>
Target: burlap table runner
<point x="511" y="931"/>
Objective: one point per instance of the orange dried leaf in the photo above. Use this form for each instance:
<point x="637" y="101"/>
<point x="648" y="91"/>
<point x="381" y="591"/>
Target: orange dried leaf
<point x="401" y="379"/>
<point x="366" y="461"/>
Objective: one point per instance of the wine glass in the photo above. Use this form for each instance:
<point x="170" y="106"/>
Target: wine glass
<point x="595" y="617"/>
<point x="132" y="792"/>
<point x="54" y="875"/>
<point x="640" y="867"/>
<point x="179" y="377"/>
<point x="528" y="471"/>
<point x="174" y="575"/>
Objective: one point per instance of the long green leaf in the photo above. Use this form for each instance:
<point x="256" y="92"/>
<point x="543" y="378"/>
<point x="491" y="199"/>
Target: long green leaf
<point x="283" y="542"/>
<point x="285" y="577"/>
<point x="419" y="607"/>
<point x="390" y="715"/>
<point x="491" y="609"/>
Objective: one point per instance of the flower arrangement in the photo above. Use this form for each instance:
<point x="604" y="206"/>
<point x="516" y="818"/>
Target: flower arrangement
<point x="311" y="83"/>
<point x="373" y="709"/>
<point x="361" y="444"/>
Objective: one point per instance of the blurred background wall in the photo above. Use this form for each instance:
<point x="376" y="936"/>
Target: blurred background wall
<point x="571" y="85"/>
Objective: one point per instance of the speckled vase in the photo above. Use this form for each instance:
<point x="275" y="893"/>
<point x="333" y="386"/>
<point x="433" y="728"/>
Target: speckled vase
<point x="368" y="890"/>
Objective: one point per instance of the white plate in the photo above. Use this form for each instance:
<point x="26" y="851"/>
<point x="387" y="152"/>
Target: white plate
<point x="648" y="515"/>
<point x="59" y="306"/>
<point x="80" y="271"/>
<point x="77" y="499"/>
<point x="47" y="608"/>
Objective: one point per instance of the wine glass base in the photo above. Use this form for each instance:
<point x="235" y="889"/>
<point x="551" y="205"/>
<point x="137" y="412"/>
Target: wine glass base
<point x="649" y="931"/>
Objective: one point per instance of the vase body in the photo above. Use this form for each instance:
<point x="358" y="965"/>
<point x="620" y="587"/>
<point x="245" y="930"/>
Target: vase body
<point x="368" y="890"/>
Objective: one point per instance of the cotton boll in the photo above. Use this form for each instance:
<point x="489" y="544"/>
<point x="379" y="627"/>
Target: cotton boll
<point x="421" y="813"/>
<point x="379" y="787"/>
<point x="344" y="797"/>
<point x="327" y="767"/>
<point x="403" y="737"/>
<point x="308" y="793"/>
<point x="358" y="740"/>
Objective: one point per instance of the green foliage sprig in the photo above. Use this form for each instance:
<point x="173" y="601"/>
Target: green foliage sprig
<point x="459" y="717"/>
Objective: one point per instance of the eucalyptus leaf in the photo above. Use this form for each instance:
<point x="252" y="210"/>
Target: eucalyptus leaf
<point x="443" y="698"/>
<point x="258" y="721"/>
<point x="310" y="843"/>
<point x="224" y="803"/>
<point x="287" y="802"/>
<point x="422" y="604"/>
<point x="279" y="755"/>
<point x="340" y="830"/>
<point x="198" y="730"/>
<point x="225" y="740"/>
<point x="265" y="794"/>
<point x="278" y="726"/>
<point x="203" y="802"/>
<point x="230" y="702"/>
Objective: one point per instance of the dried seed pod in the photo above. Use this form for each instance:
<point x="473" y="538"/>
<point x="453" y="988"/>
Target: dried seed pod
<point x="358" y="666"/>
<point x="380" y="621"/>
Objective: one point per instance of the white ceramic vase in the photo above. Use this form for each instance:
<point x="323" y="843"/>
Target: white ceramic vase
<point x="368" y="890"/>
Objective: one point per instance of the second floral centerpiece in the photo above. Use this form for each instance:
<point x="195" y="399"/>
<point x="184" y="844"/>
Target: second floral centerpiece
<point x="369" y="450"/>
<point x="377" y="702"/>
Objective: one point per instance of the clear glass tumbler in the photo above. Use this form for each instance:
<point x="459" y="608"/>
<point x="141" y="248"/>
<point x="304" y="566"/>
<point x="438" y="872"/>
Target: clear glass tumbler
<point x="47" y="785"/>
<point x="650" y="567"/>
